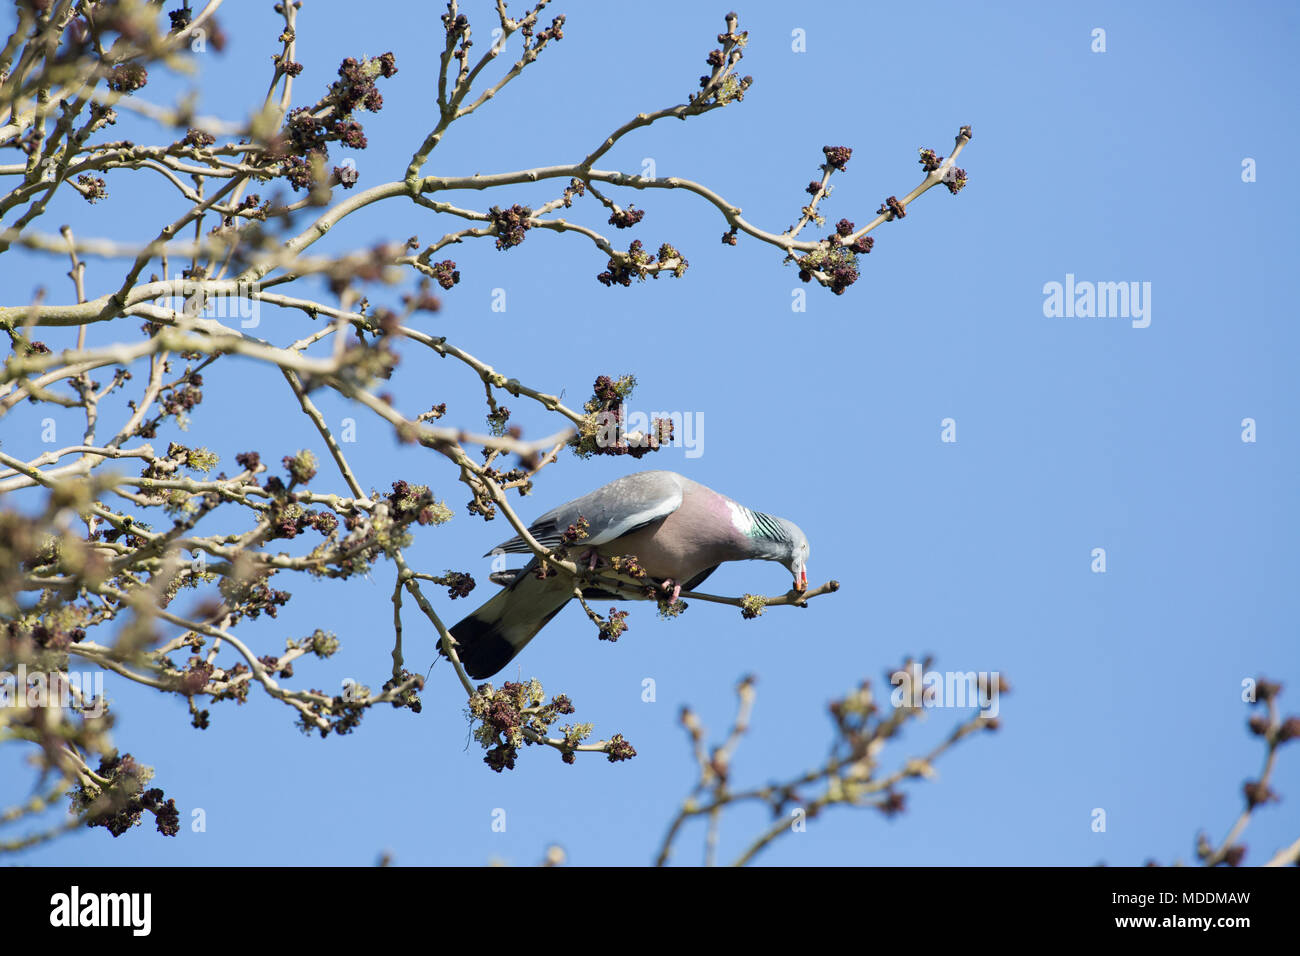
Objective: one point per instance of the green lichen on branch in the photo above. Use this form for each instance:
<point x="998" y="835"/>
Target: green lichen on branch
<point x="637" y="263"/>
<point x="613" y="627"/>
<point x="671" y="609"/>
<point x="505" y="719"/>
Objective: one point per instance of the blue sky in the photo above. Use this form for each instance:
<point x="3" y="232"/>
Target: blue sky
<point x="1072" y="433"/>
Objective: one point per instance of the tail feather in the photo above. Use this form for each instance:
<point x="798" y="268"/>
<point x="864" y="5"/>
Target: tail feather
<point x="489" y="639"/>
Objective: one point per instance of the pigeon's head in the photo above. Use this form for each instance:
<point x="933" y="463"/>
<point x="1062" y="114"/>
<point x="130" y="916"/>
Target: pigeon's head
<point x="774" y="539"/>
<point x="796" y="553"/>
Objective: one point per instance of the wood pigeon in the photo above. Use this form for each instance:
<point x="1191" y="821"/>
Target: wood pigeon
<point x="679" y="531"/>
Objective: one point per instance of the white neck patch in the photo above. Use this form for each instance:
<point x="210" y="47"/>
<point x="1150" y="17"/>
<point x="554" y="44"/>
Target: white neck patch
<point x="740" y="518"/>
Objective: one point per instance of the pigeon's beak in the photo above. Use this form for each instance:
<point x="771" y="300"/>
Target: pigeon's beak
<point x="801" y="580"/>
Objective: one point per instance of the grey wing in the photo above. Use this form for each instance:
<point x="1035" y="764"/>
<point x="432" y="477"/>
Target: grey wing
<point x="612" y="511"/>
